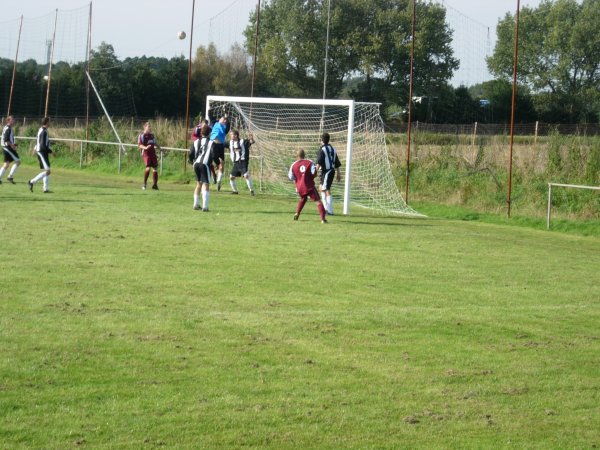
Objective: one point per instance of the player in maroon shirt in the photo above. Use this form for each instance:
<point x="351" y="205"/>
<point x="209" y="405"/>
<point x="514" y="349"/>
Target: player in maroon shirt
<point x="147" y="145"/>
<point x="303" y="173"/>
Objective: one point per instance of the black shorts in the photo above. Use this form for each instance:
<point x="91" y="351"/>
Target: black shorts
<point x="44" y="160"/>
<point x="202" y="173"/>
<point x="327" y="180"/>
<point x="10" y="155"/>
<point x="218" y="153"/>
<point x="240" y="169"/>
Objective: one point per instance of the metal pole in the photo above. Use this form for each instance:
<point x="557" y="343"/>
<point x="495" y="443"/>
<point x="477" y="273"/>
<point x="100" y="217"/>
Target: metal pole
<point x="87" y="81"/>
<point x="549" y="204"/>
<point x="512" y="113"/>
<point x="255" y="48"/>
<point x="189" y="76"/>
<point x="410" y="93"/>
<point x="12" y="82"/>
<point x="50" y="66"/>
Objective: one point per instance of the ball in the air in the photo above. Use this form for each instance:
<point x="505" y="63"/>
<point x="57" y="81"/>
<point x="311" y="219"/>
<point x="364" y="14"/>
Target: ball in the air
<point x="181" y="35"/>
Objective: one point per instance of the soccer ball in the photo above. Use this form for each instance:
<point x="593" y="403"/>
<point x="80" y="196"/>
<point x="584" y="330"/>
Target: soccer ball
<point x="181" y="35"/>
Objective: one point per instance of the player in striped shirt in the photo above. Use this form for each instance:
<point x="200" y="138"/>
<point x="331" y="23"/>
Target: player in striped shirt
<point x="42" y="149"/>
<point x="239" y="151"/>
<point x="9" y="148"/>
<point x="329" y="164"/>
<point x="202" y="159"/>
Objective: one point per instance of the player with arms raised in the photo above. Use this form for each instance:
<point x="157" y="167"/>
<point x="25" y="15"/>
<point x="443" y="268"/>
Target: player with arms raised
<point x="201" y="157"/>
<point x="303" y="173"/>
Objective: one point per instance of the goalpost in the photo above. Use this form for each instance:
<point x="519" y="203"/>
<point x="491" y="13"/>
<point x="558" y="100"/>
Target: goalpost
<point x="281" y="126"/>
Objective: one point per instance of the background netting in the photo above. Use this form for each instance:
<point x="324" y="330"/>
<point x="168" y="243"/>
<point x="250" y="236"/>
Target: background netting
<point x="281" y="129"/>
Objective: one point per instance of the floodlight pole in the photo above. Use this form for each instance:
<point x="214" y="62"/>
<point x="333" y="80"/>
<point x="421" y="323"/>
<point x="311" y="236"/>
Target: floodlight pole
<point x="189" y="76"/>
<point x="410" y="94"/>
<point x="87" y="81"/>
<point x="50" y="65"/>
<point x="512" y="113"/>
<point x="255" y="48"/>
<point x="12" y="82"/>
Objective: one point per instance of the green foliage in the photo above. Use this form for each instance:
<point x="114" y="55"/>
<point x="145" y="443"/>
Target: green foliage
<point x="559" y="54"/>
<point x="292" y="54"/>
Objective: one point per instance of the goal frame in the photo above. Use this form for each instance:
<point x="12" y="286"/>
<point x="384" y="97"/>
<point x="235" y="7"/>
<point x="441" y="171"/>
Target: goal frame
<point x="302" y="101"/>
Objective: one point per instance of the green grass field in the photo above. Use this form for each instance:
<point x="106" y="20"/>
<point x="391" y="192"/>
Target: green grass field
<point x="128" y="320"/>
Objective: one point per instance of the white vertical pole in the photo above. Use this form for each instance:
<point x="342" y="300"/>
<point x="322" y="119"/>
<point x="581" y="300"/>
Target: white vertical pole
<point x="549" y="204"/>
<point x="348" y="158"/>
<point x="536" y="132"/>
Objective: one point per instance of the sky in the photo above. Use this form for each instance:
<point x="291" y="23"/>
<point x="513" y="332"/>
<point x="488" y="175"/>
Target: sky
<point x="150" y="27"/>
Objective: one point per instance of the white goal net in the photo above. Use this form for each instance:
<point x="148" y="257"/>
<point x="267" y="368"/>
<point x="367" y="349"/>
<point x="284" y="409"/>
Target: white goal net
<point x="282" y="126"/>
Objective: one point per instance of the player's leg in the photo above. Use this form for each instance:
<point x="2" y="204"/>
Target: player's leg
<point x="205" y="180"/>
<point x="155" y="178"/>
<point x="13" y="169"/>
<point x="44" y="173"/>
<point x="249" y="182"/>
<point x="314" y="196"/>
<point x="3" y="168"/>
<point x="146" y="175"/>
<point x="300" y="206"/>
<point x="46" y="181"/>
<point x="232" y="182"/>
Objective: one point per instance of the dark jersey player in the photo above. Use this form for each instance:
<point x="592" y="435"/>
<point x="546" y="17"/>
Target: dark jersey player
<point x="239" y="151"/>
<point x="9" y="148"/>
<point x="201" y="157"/>
<point x="42" y="150"/>
<point x="217" y="145"/>
<point x="303" y="173"/>
<point x="329" y="164"/>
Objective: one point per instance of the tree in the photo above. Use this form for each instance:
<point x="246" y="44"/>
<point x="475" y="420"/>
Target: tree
<point x="369" y="39"/>
<point x="216" y="74"/>
<point x="559" y="57"/>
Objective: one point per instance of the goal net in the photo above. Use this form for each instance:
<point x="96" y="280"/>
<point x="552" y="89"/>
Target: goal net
<point x="282" y="126"/>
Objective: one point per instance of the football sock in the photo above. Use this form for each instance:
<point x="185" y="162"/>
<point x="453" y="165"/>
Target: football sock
<point x="45" y="178"/>
<point x="155" y="177"/>
<point x="13" y="170"/>
<point x="233" y="185"/>
<point x="323" y="198"/>
<point x="146" y="174"/>
<point x="38" y="177"/>
<point x="219" y="176"/>
<point x="2" y="170"/>
<point x="196" y="200"/>
<point x="205" y="197"/>
<point x="301" y="204"/>
<point x="329" y="205"/>
<point x="321" y="209"/>
<point x="249" y="183"/>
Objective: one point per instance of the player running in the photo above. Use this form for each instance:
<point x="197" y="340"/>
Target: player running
<point x="9" y="148"/>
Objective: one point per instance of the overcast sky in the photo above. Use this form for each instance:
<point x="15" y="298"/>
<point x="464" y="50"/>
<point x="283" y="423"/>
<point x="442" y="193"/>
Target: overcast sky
<point x="150" y="27"/>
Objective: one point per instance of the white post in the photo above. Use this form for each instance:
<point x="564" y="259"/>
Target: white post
<point x="549" y="204"/>
<point x="348" y="159"/>
<point x="81" y="154"/>
<point x="121" y="148"/>
<point x="536" y="133"/>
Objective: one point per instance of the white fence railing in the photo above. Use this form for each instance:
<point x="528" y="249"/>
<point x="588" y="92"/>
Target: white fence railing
<point x="121" y="148"/>
<point x="575" y="186"/>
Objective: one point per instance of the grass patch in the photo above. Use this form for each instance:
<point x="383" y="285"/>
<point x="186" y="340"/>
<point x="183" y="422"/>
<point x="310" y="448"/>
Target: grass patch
<point x="128" y="320"/>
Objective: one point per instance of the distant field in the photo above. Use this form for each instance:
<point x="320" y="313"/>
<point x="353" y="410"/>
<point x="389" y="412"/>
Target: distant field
<point x="128" y="320"/>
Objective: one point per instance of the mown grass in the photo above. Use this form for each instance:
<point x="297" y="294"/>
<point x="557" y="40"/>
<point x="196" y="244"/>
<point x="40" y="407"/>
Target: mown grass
<point x="128" y="320"/>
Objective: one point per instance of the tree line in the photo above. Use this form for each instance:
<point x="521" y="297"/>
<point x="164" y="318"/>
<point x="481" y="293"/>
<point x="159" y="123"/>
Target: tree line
<point x="368" y="60"/>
